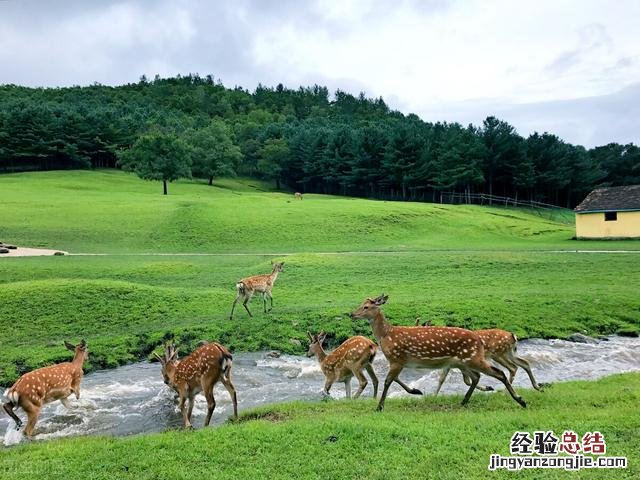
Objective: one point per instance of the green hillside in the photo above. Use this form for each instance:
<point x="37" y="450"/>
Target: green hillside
<point x="112" y="211"/>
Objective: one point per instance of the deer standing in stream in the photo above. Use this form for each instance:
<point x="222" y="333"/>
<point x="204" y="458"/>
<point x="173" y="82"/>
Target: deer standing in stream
<point x="348" y="360"/>
<point x="46" y="385"/>
<point x="263" y="284"/>
<point x="429" y="347"/>
<point x="198" y="372"/>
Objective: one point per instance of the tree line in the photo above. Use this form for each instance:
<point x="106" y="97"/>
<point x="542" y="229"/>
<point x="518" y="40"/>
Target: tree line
<point x="304" y="139"/>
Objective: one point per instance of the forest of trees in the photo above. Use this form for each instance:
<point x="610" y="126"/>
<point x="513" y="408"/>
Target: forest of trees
<point x="304" y="139"/>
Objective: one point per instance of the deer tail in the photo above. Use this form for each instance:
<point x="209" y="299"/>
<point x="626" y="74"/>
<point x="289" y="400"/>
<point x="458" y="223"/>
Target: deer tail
<point x="13" y="397"/>
<point x="241" y="288"/>
<point x="515" y="342"/>
<point x="226" y="359"/>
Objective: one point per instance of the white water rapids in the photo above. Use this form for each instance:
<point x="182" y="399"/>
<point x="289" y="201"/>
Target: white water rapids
<point x="133" y="398"/>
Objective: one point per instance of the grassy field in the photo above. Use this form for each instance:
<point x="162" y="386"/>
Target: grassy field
<point x="466" y="266"/>
<point x="425" y="438"/>
<point x="112" y="211"/>
<point x="125" y="306"/>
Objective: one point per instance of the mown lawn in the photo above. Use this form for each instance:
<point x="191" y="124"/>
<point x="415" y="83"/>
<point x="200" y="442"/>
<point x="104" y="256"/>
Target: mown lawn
<point x="424" y="438"/>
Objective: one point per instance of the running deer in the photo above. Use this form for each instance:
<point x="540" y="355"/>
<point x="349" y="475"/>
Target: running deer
<point x="298" y="196"/>
<point x="263" y="284"/>
<point x="500" y="346"/>
<point x="46" y="385"/>
<point x="428" y="347"/>
<point x="345" y="362"/>
<point x="198" y="372"/>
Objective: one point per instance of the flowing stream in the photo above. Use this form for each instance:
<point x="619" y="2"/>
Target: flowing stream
<point x="133" y="399"/>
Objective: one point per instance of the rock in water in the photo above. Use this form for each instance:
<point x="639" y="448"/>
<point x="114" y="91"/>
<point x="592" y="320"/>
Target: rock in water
<point x="580" y="338"/>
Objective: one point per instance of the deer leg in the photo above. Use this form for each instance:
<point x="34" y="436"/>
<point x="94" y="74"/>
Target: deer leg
<point x="394" y="371"/>
<point x="327" y="386"/>
<point x="407" y="388"/>
<point x="374" y="379"/>
<point x="185" y="418"/>
<point x="509" y="365"/>
<point x="264" y="301"/>
<point x="475" y="378"/>
<point x="211" y="404"/>
<point x="8" y="407"/>
<point x="347" y="387"/>
<point x="234" y="306"/>
<point x="468" y="380"/>
<point x="270" y="300"/>
<point x="226" y="381"/>
<point x="362" y="382"/>
<point x="190" y="409"/>
<point x="521" y="362"/>
<point x="441" y="378"/>
<point x="244" y="304"/>
<point x="33" y="412"/>
<point x="65" y="402"/>
<point x="484" y="367"/>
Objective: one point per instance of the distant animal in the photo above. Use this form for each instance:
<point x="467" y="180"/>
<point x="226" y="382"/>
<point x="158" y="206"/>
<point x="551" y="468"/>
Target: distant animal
<point x="348" y="360"/>
<point x="46" y="385"/>
<point x="198" y="372"/>
<point x="298" y="196"/>
<point x="429" y="347"/>
<point x="500" y="346"/>
<point x="263" y="284"/>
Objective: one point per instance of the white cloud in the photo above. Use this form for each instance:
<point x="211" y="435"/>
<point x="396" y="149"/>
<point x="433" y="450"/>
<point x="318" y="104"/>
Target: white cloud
<point x="426" y="57"/>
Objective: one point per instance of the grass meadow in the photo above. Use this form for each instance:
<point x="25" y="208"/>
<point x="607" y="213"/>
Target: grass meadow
<point x="424" y="438"/>
<point x="467" y="266"/>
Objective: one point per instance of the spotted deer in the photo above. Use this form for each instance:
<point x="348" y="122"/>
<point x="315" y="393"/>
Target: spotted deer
<point x="428" y="347"/>
<point x="263" y="284"/>
<point x="198" y="372"/>
<point x="348" y="360"/>
<point x="46" y="385"/>
<point x="500" y="346"/>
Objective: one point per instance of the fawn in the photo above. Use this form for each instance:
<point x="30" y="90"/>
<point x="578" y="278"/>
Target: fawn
<point x="345" y="362"/>
<point x="198" y="372"/>
<point x="263" y="284"/>
<point x="46" y="385"/>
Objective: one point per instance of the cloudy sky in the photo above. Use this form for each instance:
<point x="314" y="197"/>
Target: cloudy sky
<point x="568" y="67"/>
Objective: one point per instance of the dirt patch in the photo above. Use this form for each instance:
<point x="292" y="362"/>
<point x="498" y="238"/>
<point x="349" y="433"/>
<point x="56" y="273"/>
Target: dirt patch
<point x="269" y="416"/>
<point x="31" y="252"/>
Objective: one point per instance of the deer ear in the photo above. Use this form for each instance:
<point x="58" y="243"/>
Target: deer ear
<point x="382" y="299"/>
<point x="70" y="346"/>
<point x="83" y="344"/>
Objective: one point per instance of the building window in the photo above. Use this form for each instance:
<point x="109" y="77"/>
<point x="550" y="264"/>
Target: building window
<point x="610" y="216"/>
